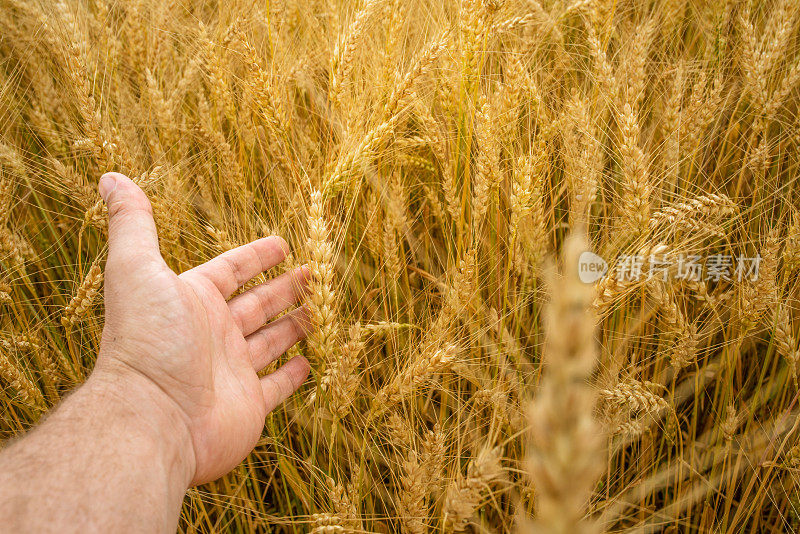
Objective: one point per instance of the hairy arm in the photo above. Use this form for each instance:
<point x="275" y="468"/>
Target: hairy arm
<point x="175" y="398"/>
<point x="114" y="456"/>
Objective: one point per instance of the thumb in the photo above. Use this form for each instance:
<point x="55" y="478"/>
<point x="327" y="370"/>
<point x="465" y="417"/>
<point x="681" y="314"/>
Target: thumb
<point x="131" y="229"/>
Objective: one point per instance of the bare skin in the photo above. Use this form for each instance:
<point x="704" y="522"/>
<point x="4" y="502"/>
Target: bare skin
<point x="174" y="399"/>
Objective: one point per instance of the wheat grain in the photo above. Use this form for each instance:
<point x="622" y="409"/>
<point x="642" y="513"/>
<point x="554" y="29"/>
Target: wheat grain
<point x="5" y="292"/>
<point x="351" y="162"/>
<point x="342" y="502"/>
<point x="476" y="21"/>
<point x="670" y="127"/>
<point x="730" y="424"/>
<point x="15" y="248"/>
<point x="699" y="112"/>
<point x="604" y="72"/>
<point x="791" y="249"/>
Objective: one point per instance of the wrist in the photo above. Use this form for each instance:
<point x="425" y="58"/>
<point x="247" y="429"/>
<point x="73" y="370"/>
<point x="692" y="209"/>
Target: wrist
<point x="115" y="440"/>
<point x="148" y="416"/>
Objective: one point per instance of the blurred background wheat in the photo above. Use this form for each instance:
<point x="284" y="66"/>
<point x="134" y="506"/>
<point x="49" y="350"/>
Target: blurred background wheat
<point x="429" y="158"/>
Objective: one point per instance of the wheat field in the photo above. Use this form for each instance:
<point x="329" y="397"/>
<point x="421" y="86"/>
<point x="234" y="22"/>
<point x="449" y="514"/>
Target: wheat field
<point x="432" y="160"/>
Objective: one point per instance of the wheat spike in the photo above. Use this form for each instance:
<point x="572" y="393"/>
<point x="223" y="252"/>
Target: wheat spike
<point x="566" y="438"/>
<point x="340" y="380"/>
<point x="634" y="396"/>
<point x="465" y="493"/>
<point x="786" y="341"/>
<point x="28" y="391"/>
<point x="321" y="301"/>
<point x="347" y="45"/>
<point x="636" y="182"/>
<point x="84" y="297"/>
<point x="420" y="369"/>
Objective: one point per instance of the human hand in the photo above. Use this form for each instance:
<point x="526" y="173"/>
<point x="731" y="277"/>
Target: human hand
<point x="175" y="343"/>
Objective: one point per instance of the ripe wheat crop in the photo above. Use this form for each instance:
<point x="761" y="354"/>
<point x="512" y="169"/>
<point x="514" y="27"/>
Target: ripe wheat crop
<point x="441" y="165"/>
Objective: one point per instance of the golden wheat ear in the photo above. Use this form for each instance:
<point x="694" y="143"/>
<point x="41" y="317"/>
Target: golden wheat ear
<point x="566" y="440"/>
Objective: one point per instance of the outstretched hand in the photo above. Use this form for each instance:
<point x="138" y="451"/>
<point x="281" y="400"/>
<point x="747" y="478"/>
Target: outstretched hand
<point x="178" y="341"/>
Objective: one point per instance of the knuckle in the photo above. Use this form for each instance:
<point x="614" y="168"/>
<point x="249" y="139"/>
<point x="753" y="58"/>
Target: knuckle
<point x="129" y="202"/>
<point x="265" y="302"/>
<point x="234" y="268"/>
<point x="285" y="387"/>
<point x="267" y="339"/>
<point x="297" y="328"/>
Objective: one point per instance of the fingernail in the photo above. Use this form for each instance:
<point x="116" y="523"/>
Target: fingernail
<point x="106" y="185"/>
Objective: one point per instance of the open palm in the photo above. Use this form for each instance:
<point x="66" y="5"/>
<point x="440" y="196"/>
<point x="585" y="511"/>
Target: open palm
<point x="181" y="334"/>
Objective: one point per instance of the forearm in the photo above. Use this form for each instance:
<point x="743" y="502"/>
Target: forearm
<point x="112" y="457"/>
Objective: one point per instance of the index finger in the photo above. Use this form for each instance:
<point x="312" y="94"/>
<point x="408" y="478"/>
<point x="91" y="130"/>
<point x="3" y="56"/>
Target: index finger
<point x="232" y="269"/>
